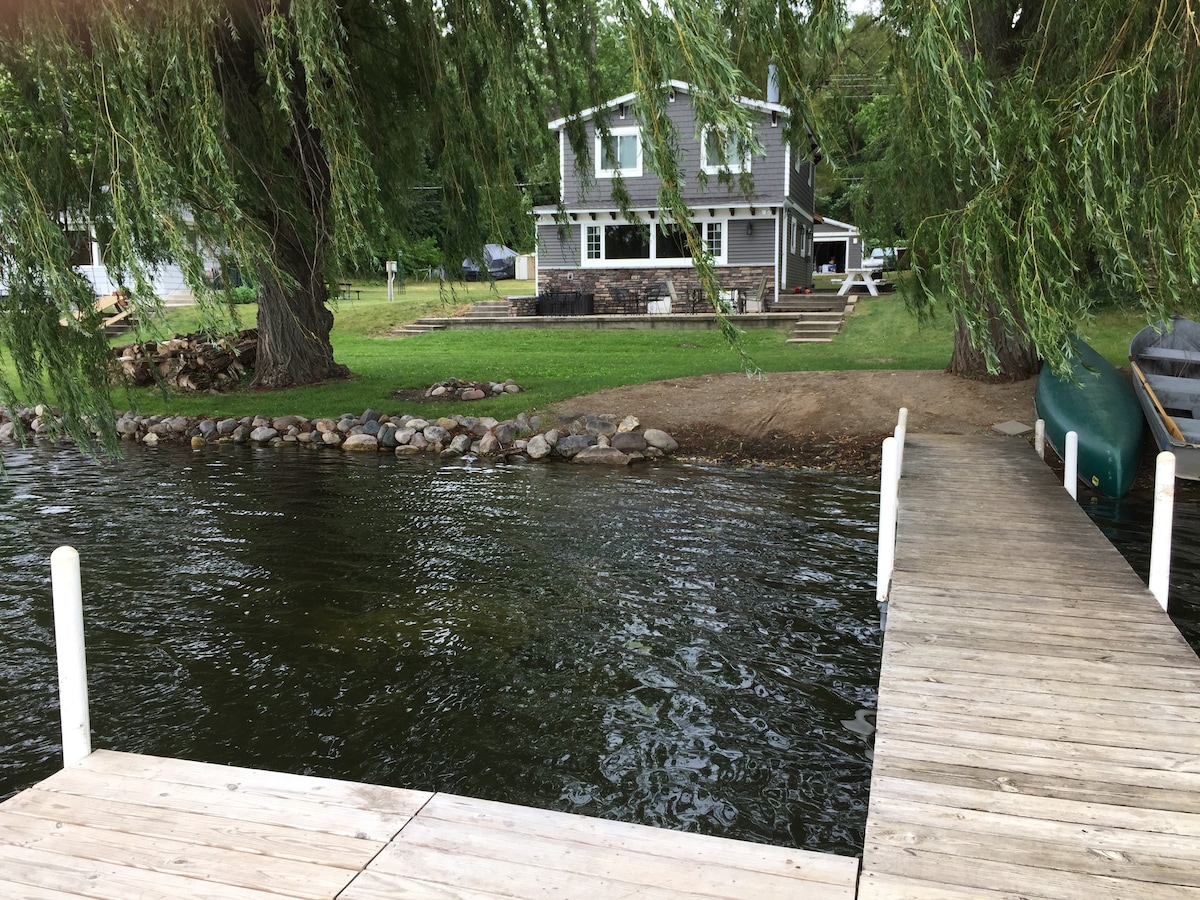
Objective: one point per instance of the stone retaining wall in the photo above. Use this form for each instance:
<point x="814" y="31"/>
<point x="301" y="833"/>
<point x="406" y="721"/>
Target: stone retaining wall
<point x="603" y="439"/>
<point x="651" y="282"/>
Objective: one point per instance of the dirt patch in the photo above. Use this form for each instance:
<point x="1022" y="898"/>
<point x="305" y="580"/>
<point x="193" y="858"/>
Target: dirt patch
<point x="825" y="419"/>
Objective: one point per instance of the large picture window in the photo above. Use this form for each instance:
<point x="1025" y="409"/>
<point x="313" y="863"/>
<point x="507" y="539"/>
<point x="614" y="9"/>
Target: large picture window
<point x="648" y="243"/>
<point x="627" y="242"/>
<point x="670" y="242"/>
<point x="621" y="154"/>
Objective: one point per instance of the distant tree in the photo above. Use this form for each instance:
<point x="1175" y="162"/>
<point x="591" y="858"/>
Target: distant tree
<point x="1042" y="157"/>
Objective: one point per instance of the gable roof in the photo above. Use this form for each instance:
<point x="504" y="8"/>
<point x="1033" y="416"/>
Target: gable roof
<point x="681" y="86"/>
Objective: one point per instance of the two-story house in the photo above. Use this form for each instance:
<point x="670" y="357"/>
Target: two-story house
<point x="761" y="243"/>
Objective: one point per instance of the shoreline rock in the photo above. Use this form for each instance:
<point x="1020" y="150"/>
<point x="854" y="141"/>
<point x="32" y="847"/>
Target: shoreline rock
<point x="583" y="438"/>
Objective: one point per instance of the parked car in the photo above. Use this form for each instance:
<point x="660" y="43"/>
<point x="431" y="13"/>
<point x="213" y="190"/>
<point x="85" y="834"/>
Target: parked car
<point x="500" y="262"/>
<point x="883" y="258"/>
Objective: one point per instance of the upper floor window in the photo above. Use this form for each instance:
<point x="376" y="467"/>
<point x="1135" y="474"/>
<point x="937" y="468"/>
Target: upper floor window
<point x="621" y="154"/>
<point x="720" y="150"/>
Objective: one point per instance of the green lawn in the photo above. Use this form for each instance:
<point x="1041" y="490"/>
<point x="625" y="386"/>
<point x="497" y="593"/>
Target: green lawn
<point x="550" y="364"/>
<point x="553" y="365"/>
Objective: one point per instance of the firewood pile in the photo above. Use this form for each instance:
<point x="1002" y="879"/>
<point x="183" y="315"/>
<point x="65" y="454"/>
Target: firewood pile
<point x="190" y="362"/>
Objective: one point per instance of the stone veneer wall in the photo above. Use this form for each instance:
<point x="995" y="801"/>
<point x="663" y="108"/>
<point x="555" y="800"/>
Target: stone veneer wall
<point x="522" y="306"/>
<point x="650" y="283"/>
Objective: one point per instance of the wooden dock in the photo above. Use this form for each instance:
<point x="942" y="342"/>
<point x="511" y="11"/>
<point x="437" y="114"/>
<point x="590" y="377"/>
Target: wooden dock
<point x="1039" y="714"/>
<point x="119" y="826"/>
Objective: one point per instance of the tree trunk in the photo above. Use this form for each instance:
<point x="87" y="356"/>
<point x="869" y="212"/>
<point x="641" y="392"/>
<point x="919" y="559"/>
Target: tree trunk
<point x="293" y="334"/>
<point x="1016" y="356"/>
<point x="293" y="321"/>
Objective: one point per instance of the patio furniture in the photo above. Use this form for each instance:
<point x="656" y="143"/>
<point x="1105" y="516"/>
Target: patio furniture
<point x="565" y="303"/>
<point x="858" y="276"/>
<point x="627" y="302"/>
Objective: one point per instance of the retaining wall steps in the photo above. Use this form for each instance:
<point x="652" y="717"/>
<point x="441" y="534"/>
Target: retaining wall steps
<point x="416" y="328"/>
<point x="816" y="327"/>
<point x="488" y="309"/>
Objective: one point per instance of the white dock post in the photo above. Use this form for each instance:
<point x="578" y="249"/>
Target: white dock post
<point x="900" y="434"/>
<point x="1039" y="437"/>
<point x="72" y="663"/>
<point x="1160" y="539"/>
<point x="1071" y="465"/>
<point x="889" y="485"/>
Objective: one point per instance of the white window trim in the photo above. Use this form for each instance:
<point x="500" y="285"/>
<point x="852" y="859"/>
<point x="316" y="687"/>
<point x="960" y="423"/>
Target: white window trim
<point x="635" y="171"/>
<point x="715" y="168"/>
<point x="673" y="262"/>
<point x="721" y="256"/>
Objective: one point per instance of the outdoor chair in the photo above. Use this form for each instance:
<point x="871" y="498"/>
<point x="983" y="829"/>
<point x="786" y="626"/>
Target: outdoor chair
<point x="627" y="302"/>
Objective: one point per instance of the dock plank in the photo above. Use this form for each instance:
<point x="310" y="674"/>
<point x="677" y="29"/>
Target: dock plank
<point x="118" y="826"/>
<point x="1038" y="730"/>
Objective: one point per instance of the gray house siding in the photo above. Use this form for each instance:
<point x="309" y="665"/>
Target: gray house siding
<point x="757" y="249"/>
<point x="767" y="171"/>
<point x="558" y="248"/>
<point x="801" y="190"/>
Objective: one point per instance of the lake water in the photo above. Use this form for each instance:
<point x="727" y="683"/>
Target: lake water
<point x="678" y="645"/>
<point x="684" y="646"/>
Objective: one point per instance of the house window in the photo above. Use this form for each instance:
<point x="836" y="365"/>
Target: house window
<point x="627" y="242"/>
<point x="721" y="151"/>
<point x="670" y="242"/>
<point x="714" y="239"/>
<point x="80" y="244"/>
<point x="792" y="236"/>
<point x="621" y="154"/>
<point x="636" y="244"/>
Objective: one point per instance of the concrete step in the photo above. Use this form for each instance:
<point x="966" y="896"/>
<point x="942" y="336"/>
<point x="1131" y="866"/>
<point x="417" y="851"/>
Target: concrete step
<point x="809" y="304"/>
<point x="816" y="327"/>
<point x="488" y="308"/>
<point x="417" y="328"/>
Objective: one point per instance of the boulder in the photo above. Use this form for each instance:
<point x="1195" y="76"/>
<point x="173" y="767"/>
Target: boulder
<point x="488" y="444"/>
<point x="263" y="433"/>
<point x="601" y="456"/>
<point x="629" y="423"/>
<point x="628" y="442"/>
<point x="661" y="440"/>
<point x="199" y="443"/>
<point x="538" y="447"/>
<point x="570" y="446"/>
<point x="435" y="434"/>
<point x="361" y="442"/>
<point x="461" y="443"/>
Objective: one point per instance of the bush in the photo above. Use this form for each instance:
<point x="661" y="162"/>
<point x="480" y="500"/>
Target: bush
<point x="242" y="294"/>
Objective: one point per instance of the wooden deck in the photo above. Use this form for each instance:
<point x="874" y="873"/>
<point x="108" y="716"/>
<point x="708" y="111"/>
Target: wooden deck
<point x="120" y="826"/>
<point x="1039" y="715"/>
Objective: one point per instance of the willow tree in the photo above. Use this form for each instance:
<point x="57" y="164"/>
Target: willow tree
<point x="1043" y="156"/>
<point x="286" y="135"/>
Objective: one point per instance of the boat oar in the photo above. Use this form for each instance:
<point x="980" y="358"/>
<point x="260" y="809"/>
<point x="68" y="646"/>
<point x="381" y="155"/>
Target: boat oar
<point x="1172" y="428"/>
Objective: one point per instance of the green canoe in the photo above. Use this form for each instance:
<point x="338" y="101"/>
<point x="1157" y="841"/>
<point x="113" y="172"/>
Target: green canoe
<point x="1097" y="402"/>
